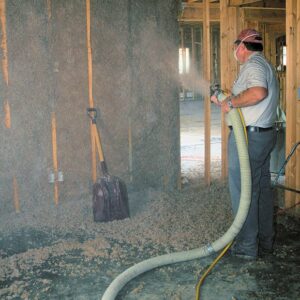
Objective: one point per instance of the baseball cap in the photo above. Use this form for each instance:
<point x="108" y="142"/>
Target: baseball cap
<point x="249" y="36"/>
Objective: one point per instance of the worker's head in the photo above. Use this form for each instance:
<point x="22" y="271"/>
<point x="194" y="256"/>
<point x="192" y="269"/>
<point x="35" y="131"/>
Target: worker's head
<point x="248" y="41"/>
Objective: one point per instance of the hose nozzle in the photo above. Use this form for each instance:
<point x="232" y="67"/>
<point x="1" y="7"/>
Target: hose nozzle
<point x="215" y="90"/>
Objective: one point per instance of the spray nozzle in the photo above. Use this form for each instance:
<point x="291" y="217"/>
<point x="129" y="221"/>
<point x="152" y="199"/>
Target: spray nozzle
<point x="215" y="90"/>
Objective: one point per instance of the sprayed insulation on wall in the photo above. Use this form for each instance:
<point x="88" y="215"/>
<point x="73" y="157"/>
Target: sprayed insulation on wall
<point x="46" y="145"/>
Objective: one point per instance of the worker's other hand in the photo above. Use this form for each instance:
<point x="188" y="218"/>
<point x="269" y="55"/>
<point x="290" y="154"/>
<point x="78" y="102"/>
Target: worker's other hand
<point x="215" y="100"/>
<point x="224" y="105"/>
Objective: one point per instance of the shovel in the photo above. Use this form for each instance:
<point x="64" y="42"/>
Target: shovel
<point x="110" y="198"/>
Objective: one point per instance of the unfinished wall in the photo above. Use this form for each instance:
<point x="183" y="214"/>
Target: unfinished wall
<point x="134" y="46"/>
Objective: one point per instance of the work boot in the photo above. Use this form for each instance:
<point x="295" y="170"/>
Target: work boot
<point x="264" y="252"/>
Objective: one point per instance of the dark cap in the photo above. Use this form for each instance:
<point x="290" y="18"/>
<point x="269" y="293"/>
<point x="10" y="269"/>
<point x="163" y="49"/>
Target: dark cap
<point x="249" y="36"/>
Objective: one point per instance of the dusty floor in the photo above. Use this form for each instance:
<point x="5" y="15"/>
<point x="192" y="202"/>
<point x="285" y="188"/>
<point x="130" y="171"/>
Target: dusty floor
<point x="67" y="256"/>
<point x="60" y="253"/>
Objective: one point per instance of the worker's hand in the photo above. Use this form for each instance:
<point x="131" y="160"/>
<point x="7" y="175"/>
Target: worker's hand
<point x="215" y="100"/>
<point x="224" y="105"/>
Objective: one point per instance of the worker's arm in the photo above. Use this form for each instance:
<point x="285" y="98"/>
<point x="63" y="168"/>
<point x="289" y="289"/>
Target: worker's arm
<point x="248" y="97"/>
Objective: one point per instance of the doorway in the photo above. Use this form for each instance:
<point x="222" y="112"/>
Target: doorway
<point x="191" y="98"/>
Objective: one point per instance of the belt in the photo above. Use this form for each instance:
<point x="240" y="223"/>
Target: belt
<point x="256" y="129"/>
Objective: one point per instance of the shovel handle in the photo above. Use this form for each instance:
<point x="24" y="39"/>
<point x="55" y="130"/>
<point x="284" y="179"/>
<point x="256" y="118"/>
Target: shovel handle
<point x="100" y="151"/>
<point x="92" y="113"/>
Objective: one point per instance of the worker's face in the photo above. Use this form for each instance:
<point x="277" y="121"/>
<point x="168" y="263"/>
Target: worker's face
<point x="238" y="50"/>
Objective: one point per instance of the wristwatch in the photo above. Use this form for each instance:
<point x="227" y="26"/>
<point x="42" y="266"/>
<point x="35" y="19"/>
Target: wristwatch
<point x="230" y="103"/>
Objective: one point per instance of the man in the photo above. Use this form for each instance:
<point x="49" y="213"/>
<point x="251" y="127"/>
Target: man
<point x="255" y="91"/>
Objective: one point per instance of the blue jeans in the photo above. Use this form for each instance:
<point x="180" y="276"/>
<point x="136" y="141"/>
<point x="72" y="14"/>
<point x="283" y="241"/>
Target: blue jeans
<point x="258" y="227"/>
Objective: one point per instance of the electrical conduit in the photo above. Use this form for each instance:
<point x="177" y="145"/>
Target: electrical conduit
<point x="121" y="280"/>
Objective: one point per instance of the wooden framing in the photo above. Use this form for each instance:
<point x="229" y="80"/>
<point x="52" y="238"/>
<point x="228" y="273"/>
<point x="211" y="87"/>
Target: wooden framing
<point x="54" y="156"/>
<point x="228" y="33"/>
<point x="273" y="22"/>
<point x="292" y="104"/>
<point x="4" y="49"/>
<point x="241" y="2"/>
<point x="194" y="12"/>
<point x="207" y="78"/>
<point x="264" y="15"/>
<point x="16" y="195"/>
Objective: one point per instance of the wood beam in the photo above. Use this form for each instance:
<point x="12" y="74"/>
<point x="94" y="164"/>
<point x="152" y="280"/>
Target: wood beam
<point x="258" y="4"/>
<point x="297" y="183"/>
<point x="264" y="15"/>
<point x="292" y="104"/>
<point x="193" y="12"/>
<point x="229" y="67"/>
<point x="207" y="78"/>
<point x="241" y="2"/>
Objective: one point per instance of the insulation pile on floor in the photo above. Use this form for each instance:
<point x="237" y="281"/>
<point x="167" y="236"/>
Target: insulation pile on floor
<point x="41" y="245"/>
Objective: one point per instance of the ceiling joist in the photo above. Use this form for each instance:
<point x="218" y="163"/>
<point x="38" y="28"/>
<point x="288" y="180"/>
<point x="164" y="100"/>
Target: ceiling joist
<point x="241" y="2"/>
<point x="194" y="13"/>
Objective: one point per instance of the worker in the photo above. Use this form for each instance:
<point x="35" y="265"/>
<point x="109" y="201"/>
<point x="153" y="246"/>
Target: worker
<point x="255" y="91"/>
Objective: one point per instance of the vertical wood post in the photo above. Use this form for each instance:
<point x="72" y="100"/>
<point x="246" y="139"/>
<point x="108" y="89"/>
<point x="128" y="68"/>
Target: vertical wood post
<point x="292" y="104"/>
<point x="297" y="127"/>
<point x="193" y="61"/>
<point x="49" y="9"/>
<point x="6" y="106"/>
<point x="16" y="195"/>
<point x="207" y="103"/>
<point x="4" y="41"/>
<point x="54" y="156"/>
<point x="228" y="33"/>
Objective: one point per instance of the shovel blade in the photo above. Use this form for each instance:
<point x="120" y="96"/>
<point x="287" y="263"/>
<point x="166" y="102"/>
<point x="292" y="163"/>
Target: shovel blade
<point x="110" y="199"/>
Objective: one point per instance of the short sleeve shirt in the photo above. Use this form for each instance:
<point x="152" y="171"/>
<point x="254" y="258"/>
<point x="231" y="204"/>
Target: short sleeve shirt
<point x="258" y="72"/>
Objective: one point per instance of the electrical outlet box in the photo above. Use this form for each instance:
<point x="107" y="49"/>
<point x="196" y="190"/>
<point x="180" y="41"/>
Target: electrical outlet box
<point x="298" y="93"/>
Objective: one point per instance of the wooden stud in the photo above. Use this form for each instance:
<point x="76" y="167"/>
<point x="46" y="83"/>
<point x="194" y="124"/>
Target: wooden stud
<point x="56" y="193"/>
<point x="193" y="61"/>
<point x="179" y="185"/>
<point x="54" y="156"/>
<point x="7" y="117"/>
<point x="6" y="107"/>
<point x="182" y="49"/>
<point x="4" y="41"/>
<point x="291" y="75"/>
<point x="16" y="195"/>
<point x="207" y="103"/>
<point x="228" y="32"/>
<point x="49" y="9"/>
<point x="242" y="18"/>
<point x="130" y="157"/>
<point x="297" y="125"/>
